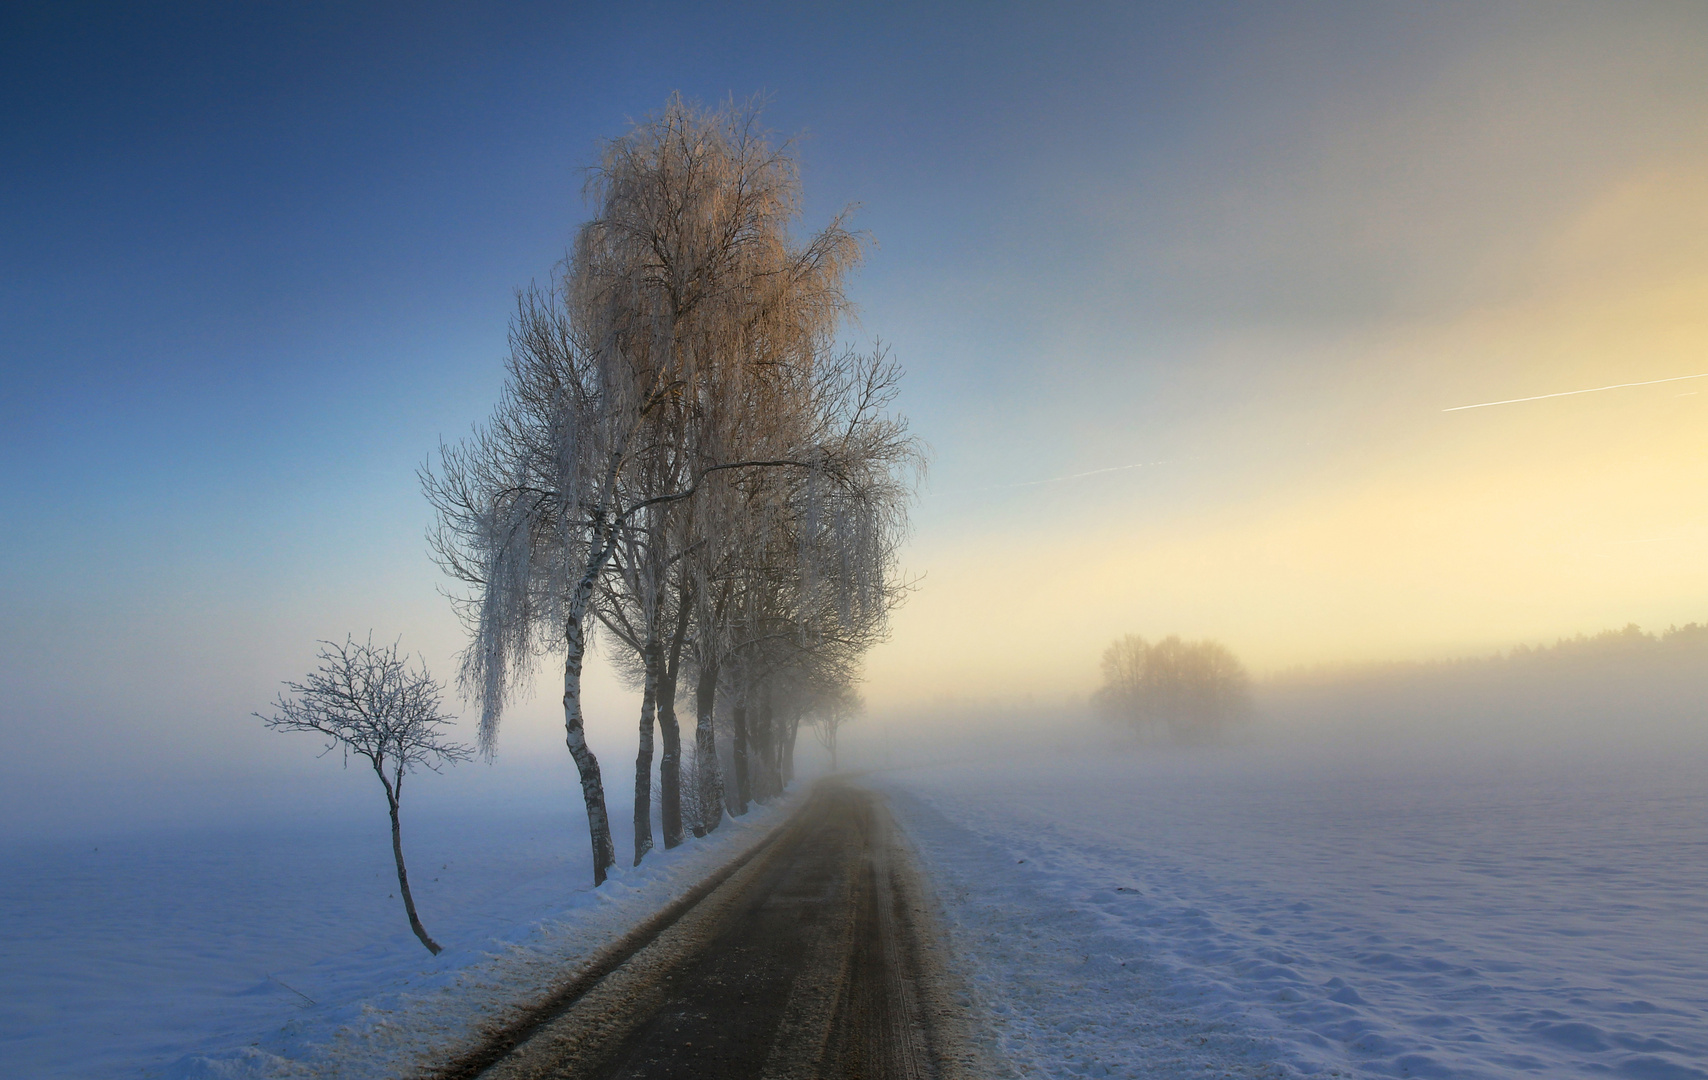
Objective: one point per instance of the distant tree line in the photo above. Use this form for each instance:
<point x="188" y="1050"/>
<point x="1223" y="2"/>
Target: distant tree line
<point x="1619" y="690"/>
<point x="1185" y="691"/>
<point x="1629" y="640"/>
<point x="1630" y="643"/>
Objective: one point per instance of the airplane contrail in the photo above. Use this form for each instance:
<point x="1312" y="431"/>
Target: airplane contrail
<point x="1570" y="393"/>
<point x="1078" y="475"/>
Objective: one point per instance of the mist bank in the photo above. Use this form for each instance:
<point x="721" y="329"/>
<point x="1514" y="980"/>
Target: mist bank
<point x="1620" y="691"/>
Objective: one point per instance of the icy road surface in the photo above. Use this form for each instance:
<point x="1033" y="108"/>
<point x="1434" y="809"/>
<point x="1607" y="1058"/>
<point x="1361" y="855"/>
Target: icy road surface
<point x="1219" y="914"/>
<point x="815" y="958"/>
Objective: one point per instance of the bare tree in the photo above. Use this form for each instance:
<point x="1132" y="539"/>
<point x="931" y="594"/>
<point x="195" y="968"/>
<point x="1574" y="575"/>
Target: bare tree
<point x="684" y="299"/>
<point x="675" y="406"/>
<point x="670" y="732"/>
<point x="836" y="707"/>
<point x="367" y="701"/>
<point x="809" y="573"/>
<point x="641" y="610"/>
<point x="845" y="522"/>
<point x="1190" y="690"/>
<point x="528" y="514"/>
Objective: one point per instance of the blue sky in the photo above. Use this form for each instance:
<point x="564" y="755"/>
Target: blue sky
<point x="258" y="261"/>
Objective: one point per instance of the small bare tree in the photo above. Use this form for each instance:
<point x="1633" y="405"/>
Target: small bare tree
<point x="367" y="701"/>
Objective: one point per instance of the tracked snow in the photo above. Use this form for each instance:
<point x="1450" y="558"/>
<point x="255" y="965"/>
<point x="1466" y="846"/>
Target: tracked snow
<point x="1228" y="915"/>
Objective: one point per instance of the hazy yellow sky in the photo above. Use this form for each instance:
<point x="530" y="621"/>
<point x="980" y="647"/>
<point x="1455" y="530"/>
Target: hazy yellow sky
<point x="1313" y="502"/>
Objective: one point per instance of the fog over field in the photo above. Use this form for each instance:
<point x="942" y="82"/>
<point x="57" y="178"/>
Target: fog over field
<point x="1483" y="867"/>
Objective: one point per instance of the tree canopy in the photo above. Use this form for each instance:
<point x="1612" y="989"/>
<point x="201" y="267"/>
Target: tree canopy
<point x="1188" y="691"/>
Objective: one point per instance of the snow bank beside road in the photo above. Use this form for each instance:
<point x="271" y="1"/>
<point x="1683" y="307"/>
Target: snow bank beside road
<point x="253" y="954"/>
<point x="1228" y="915"/>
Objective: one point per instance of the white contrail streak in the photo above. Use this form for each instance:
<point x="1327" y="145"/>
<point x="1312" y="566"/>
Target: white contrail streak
<point x="1571" y="393"/>
<point x="1078" y="475"/>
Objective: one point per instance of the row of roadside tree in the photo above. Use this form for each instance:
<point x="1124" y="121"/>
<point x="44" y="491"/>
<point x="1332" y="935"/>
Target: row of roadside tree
<point x="687" y="455"/>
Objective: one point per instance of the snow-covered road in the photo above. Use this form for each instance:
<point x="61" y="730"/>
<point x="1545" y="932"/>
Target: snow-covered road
<point x="1233" y="914"/>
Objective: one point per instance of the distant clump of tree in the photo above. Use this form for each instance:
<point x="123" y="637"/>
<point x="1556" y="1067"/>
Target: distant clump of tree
<point x="1186" y="691"/>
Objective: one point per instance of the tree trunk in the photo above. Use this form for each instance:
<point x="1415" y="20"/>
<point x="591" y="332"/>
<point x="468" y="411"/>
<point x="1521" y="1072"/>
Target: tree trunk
<point x="391" y="797"/>
<point x="643" y="759"/>
<point x="586" y="764"/>
<point x="759" y="749"/>
<point x="706" y="767"/>
<point x="768" y="753"/>
<point x="738" y="748"/>
<point x="670" y="765"/>
<point x="791" y="728"/>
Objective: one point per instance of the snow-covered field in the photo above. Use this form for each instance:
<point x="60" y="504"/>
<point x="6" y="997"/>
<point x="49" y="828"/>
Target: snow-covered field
<point x="1119" y="912"/>
<point x="271" y="953"/>
<point x="1237" y="913"/>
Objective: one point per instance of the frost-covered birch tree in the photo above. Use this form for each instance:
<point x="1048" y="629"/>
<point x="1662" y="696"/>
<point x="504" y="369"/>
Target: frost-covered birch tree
<point x="530" y="514"/>
<point x="639" y="613"/>
<point x="808" y="579"/>
<point x="685" y="296"/>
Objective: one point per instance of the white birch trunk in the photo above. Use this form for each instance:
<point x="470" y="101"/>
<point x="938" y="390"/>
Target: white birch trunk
<point x="670" y="733"/>
<point x="738" y="746"/>
<point x="706" y="768"/>
<point x="643" y="759"/>
<point x="586" y="764"/>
